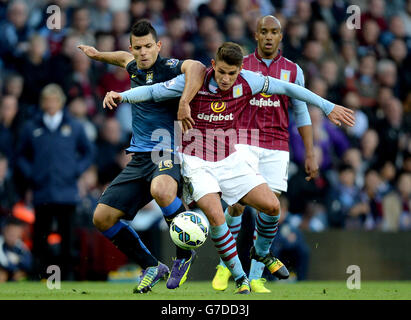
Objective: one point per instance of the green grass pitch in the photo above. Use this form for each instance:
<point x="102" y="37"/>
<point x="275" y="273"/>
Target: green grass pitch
<point x="191" y="290"/>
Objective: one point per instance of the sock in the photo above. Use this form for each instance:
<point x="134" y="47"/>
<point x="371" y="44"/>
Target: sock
<point x="227" y="250"/>
<point x="127" y="241"/>
<point x="169" y="212"/>
<point x="256" y="268"/>
<point x="266" y="227"/>
<point x="234" y="224"/>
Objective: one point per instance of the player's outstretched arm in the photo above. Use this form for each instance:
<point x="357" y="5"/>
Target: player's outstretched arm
<point x="336" y="113"/>
<point x="194" y="77"/>
<point x="117" y="58"/>
<point x="157" y="92"/>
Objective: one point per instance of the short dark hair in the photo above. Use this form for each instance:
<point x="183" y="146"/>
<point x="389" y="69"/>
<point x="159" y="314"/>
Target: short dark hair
<point x="142" y="28"/>
<point x="231" y="53"/>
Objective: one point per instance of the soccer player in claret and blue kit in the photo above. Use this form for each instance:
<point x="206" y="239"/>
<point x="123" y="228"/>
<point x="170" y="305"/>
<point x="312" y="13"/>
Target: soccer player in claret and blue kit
<point x="151" y="173"/>
<point x="211" y="165"/>
<point x="269" y="114"/>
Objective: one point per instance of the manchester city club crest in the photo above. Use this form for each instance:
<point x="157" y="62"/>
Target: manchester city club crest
<point x="149" y="77"/>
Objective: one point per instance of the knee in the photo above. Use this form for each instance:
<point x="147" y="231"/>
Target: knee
<point x="103" y="219"/>
<point x="236" y="210"/>
<point x="271" y="207"/>
<point x="163" y="194"/>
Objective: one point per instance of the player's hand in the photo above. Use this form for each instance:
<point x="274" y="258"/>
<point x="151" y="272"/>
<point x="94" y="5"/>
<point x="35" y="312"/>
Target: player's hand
<point x="184" y="116"/>
<point x="90" y="51"/>
<point x="111" y="100"/>
<point x="311" y="168"/>
<point x="341" y="115"/>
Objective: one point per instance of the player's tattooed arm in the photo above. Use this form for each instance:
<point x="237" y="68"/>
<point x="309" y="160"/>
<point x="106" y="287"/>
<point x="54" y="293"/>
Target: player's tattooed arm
<point x="117" y="58"/>
<point x="194" y="77"/>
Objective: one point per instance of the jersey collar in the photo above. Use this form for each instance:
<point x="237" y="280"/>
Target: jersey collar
<point x="279" y="55"/>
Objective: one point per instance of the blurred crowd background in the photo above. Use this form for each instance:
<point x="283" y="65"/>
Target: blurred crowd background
<point x="365" y="171"/>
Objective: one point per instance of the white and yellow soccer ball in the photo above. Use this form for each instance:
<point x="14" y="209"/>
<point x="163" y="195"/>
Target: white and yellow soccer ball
<point x="189" y="230"/>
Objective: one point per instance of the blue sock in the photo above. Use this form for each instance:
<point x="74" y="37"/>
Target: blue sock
<point x="227" y="250"/>
<point x="266" y="227"/>
<point x="173" y="209"/>
<point x="127" y="241"/>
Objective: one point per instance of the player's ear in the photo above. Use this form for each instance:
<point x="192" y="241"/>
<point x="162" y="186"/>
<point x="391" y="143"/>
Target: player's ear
<point x="159" y="44"/>
<point x="213" y="63"/>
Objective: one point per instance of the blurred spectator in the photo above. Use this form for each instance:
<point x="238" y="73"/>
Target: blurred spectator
<point x="35" y="68"/>
<point x="236" y="32"/>
<point x="406" y="17"/>
<point x="138" y="9"/>
<point x="8" y="196"/>
<point x="311" y="58"/>
<point x="330" y="72"/>
<point x="15" y="31"/>
<point x="156" y="14"/>
<point x="375" y="12"/>
<point x="80" y="26"/>
<point x="369" y="143"/>
<point x="364" y="81"/>
<point x="369" y="215"/>
<point x="368" y="41"/>
<point x="48" y="141"/>
<point x="109" y="145"/>
<point x="329" y="138"/>
<point x="183" y="10"/>
<point x="352" y="100"/>
<point x="387" y="75"/>
<point x="320" y="32"/>
<point x="78" y="109"/>
<point x="215" y="9"/>
<point x="391" y="132"/>
<point x="332" y="12"/>
<point x="344" y="198"/>
<point x="290" y="245"/>
<point x="100" y="16"/>
<point x="206" y="25"/>
<point x="352" y="157"/>
<point x="293" y="36"/>
<point x="9" y="126"/>
<point x="120" y="26"/>
<point x="212" y="42"/>
<point x="55" y="36"/>
<point x="15" y="257"/>
<point x="61" y="64"/>
<point x="308" y="198"/>
<point x="89" y="192"/>
<point x="81" y="82"/>
<point x="180" y="49"/>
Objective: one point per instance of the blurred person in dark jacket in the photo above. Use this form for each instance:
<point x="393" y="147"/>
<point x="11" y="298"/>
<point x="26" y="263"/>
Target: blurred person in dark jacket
<point x="15" y="257"/>
<point x="53" y="153"/>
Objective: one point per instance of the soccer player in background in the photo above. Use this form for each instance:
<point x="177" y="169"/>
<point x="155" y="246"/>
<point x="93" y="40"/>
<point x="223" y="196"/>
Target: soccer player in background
<point x="210" y="163"/>
<point x="269" y="114"/>
<point x="145" y="178"/>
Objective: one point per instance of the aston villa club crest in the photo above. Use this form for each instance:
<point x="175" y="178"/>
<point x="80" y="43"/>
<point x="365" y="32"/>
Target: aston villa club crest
<point x="285" y="75"/>
<point x="238" y="91"/>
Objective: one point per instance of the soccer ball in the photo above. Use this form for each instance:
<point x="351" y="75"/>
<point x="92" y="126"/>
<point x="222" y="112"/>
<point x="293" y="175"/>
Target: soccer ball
<point x="189" y="230"/>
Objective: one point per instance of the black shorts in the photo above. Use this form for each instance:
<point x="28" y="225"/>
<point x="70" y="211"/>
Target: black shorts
<point x="130" y="190"/>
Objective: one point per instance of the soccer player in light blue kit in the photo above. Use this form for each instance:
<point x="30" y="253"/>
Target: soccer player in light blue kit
<point x="223" y="97"/>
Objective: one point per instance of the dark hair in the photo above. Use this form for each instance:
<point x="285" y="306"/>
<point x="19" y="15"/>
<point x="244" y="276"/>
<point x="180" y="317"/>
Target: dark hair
<point x="231" y="53"/>
<point x="142" y="28"/>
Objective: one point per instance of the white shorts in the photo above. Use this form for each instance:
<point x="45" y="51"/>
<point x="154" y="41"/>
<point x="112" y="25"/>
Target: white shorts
<point x="233" y="176"/>
<point x="272" y="165"/>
